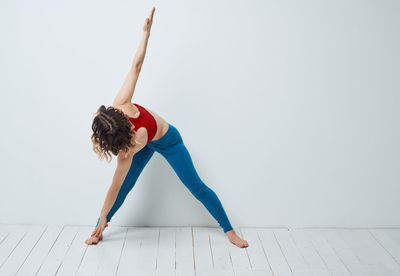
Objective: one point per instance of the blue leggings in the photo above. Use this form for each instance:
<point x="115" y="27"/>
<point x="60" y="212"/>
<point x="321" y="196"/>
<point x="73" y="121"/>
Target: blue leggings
<point x="171" y="146"/>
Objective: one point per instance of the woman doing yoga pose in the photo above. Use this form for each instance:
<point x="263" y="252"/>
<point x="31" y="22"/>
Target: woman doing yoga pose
<point x="133" y="133"/>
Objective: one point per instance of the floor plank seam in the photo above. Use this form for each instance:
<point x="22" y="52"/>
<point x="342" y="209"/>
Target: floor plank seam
<point x="381" y="245"/>
<point x="194" y="262"/>
<point x="265" y="253"/>
<point x="122" y="249"/>
<point x="280" y="247"/>
<point x="30" y="251"/>
<point x="23" y="236"/>
<point x="209" y="242"/>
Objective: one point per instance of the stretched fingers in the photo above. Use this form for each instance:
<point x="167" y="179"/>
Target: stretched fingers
<point x="99" y="231"/>
<point x="96" y="231"/>
<point x="152" y="13"/>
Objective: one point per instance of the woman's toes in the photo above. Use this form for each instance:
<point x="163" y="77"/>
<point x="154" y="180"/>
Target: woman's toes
<point x="241" y="243"/>
<point x="236" y="240"/>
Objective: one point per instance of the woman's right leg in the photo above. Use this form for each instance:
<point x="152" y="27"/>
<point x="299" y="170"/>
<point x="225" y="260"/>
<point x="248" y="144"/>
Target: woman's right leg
<point x="173" y="149"/>
<point x="139" y="161"/>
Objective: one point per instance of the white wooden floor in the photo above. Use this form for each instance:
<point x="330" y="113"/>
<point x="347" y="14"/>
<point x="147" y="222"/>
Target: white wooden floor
<point x="60" y="250"/>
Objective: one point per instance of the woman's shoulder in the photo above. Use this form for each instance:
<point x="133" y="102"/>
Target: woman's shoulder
<point x="127" y="108"/>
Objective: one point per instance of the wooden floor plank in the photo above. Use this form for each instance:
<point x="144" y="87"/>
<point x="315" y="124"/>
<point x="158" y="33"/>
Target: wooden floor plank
<point x="257" y="257"/>
<point x="303" y="242"/>
<point x="130" y="251"/>
<point x="291" y="252"/>
<point x="394" y="234"/>
<point x="75" y="252"/>
<point x="57" y="253"/>
<point x="239" y="257"/>
<point x="4" y="231"/>
<point x="15" y="235"/>
<point x="147" y="260"/>
<point x="39" y="253"/>
<point x="370" y="252"/>
<point x="166" y="252"/>
<point x="390" y="244"/>
<point x="184" y="251"/>
<point x="345" y="253"/>
<point x="202" y="252"/>
<point x="112" y="251"/>
<point x="275" y="256"/>
<point x="91" y="258"/>
<point x="222" y="258"/>
<point x="139" y="255"/>
<point x="333" y="262"/>
<point x="22" y="250"/>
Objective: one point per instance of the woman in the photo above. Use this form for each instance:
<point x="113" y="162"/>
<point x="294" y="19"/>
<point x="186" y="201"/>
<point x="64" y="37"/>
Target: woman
<point x="133" y="133"/>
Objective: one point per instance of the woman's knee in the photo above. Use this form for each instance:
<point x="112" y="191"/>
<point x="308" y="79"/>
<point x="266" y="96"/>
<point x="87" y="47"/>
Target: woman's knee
<point x="201" y="190"/>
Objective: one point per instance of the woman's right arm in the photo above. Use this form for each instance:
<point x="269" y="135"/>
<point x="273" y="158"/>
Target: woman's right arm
<point x="123" y="166"/>
<point x="119" y="175"/>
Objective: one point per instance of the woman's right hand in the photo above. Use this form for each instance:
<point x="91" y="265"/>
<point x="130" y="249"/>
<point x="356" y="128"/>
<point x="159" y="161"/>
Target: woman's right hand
<point x="97" y="233"/>
<point x="100" y="227"/>
<point x="149" y="21"/>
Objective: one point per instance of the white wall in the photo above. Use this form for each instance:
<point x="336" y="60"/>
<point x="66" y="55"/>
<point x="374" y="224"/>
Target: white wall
<point x="290" y="109"/>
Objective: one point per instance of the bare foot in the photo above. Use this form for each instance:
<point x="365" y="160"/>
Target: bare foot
<point x="236" y="240"/>
<point x="94" y="239"/>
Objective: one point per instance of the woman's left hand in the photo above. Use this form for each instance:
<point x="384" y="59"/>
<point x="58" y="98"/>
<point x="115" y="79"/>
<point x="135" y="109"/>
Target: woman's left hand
<point x="149" y="21"/>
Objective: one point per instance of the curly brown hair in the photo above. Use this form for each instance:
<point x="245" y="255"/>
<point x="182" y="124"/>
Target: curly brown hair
<point x="112" y="132"/>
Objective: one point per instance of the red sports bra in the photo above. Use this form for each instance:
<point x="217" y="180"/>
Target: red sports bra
<point x="147" y="120"/>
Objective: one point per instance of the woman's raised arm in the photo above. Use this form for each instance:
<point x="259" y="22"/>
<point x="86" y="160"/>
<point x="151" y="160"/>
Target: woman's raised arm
<point x="128" y="87"/>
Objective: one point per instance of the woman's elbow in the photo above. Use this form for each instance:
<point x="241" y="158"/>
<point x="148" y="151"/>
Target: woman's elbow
<point x="137" y="68"/>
